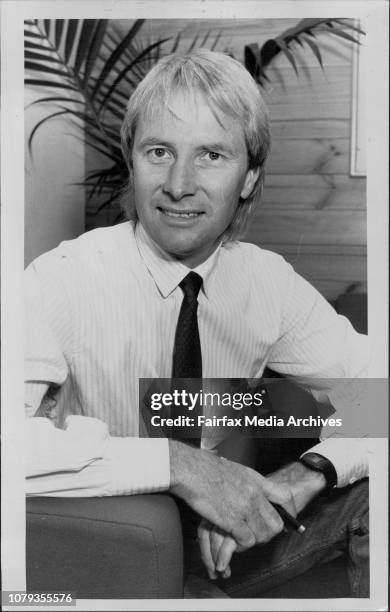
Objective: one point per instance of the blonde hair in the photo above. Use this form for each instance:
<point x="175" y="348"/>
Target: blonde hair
<point x="229" y="90"/>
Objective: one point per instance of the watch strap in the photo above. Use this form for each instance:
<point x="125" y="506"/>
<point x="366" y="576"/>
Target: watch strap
<point x="319" y="463"/>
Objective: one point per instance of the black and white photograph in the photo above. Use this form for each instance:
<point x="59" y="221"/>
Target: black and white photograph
<point x="195" y="292"/>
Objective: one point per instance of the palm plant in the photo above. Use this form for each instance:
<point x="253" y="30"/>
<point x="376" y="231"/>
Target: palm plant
<point x="89" y="72"/>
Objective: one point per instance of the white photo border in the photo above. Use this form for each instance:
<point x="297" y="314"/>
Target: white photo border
<point x="13" y="12"/>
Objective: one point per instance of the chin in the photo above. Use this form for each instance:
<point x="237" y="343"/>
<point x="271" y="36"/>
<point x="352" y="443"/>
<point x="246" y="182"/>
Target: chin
<point x="179" y="253"/>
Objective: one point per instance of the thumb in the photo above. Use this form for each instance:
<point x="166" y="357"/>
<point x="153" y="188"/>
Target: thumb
<point x="277" y="494"/>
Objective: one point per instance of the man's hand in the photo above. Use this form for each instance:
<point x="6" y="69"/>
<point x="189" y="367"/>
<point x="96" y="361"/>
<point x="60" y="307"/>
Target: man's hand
<point x="231" y="496"/>
<point x="218" y="547"/>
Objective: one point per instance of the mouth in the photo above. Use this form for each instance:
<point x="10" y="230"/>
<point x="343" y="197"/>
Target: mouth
<point x="180" y="214"/>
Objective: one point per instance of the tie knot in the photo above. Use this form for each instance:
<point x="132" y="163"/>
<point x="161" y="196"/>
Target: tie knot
<point x="191" y="285"/>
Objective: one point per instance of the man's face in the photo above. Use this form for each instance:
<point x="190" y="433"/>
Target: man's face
<point x="189" y="173"/>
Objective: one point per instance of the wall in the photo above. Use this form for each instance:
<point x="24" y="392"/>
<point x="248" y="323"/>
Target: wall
<point x="313" y="211"/>
<point x="54" y="205"/>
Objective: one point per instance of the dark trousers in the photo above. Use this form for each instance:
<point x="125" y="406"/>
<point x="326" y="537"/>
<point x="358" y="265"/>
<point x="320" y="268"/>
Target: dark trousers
<point x="336" y="524"/>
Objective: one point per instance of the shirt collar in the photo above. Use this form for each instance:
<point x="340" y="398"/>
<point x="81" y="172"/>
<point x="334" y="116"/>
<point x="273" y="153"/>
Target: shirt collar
<point x="167" y="271"/>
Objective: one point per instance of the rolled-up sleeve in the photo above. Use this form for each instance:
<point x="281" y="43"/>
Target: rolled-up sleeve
<point x="83" y="460"/>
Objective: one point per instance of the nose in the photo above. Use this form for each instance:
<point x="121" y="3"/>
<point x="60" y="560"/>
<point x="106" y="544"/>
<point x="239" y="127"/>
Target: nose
<point x="180" y="180"/>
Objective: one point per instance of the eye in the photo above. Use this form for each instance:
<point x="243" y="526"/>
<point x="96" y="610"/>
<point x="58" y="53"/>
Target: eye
<point x="213" y="155"/>
<point x="158" y="153"/>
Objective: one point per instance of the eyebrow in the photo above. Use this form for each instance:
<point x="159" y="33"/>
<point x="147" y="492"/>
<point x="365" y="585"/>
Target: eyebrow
<point x="152" y="140"/>
<point x="210" y="146"/>
<point x="219" y="146"/>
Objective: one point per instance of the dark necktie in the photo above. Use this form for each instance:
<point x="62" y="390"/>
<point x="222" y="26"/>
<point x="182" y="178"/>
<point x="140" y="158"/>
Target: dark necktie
<point x="187" y="354"/>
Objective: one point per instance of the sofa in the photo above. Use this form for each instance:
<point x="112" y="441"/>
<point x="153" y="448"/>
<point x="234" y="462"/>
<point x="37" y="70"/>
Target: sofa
<point x="132" y="547"/>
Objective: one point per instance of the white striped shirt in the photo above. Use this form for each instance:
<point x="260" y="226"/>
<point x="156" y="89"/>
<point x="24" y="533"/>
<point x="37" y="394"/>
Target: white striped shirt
<point x="102" y="312"/>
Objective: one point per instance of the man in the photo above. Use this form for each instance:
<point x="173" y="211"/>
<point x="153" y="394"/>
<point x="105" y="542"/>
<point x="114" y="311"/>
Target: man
<point x="103" y="311"/>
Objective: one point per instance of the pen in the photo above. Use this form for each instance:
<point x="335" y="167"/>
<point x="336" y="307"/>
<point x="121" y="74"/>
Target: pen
<point x="286" y="516"/>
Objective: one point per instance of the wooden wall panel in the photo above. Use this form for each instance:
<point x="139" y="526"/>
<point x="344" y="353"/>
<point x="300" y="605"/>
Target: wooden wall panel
<point x="310" y="128"/>
<point x="310" y="156"/>
<point x="293" y="252"/>
<point x="322" y="227"/>
<point x="349" y="268"/>
<point x="326" y="95"/>
<point x="314" y="192"/>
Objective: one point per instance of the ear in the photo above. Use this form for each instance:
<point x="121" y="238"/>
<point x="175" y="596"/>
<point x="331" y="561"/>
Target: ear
<point x="250" y="180"/>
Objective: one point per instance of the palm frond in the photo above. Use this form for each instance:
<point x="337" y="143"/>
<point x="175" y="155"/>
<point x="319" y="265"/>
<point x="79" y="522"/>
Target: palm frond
<point x="33" y="55"/>
<point x="304" y="32"/>
<point x="39" y="124"/>
<point x="253" y="59"/>
<point x="306" y="38"/>
<point x="90" y="142"/>
<point x="216" y="41"/>
<point x="47" y="26"/>
<point x="28" y="44"/>
<point x="70" y="38"/>
<point x="193" y="43"/>
<point x="107" y="173"/>
<point x="30" y="34"/>
<point x="54" y="99"/>
<point x="337" y="32"/>
<point x="46" y="69"/>
<point x="176" y="43"/>
<point x="84" y="41"/>
<point x="93" y="51"/>
<point x="116" y="55"/>
<point x="59" y="30"/>
<point x="47" y="83"/>
<point x="290" y="56"/>
<point x="205" y="39"/>
<point x="349" y="23"/>
<point x="123" y="73"/>
<point x="107" y="202"/>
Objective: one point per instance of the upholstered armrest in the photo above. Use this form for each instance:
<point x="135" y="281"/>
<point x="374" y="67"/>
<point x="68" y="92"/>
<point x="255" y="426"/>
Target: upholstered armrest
<point x="111" y="547"/>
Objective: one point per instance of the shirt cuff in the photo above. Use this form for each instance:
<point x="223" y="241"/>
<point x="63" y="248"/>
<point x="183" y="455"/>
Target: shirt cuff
<point x="350" y="457"/>
<point x="138" y="465"/>
<point x="84" y="461"/>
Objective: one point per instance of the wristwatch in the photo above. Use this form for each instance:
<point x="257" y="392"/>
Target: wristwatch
<point x="319" y="463"/>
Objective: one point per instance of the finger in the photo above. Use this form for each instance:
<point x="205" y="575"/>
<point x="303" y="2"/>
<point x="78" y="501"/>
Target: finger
<point x="243" y="535"/>
<point x="225" y="554"/>
<point x="270" y="524"/>
<point x="205" y="550"/>
<point x="216" y="539"/>
<point x="227" y="573"/>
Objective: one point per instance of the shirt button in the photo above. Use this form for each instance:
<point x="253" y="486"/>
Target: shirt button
<point x="352" y="480"/>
